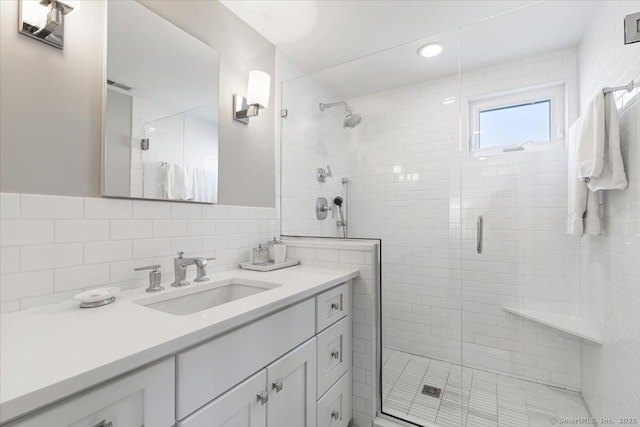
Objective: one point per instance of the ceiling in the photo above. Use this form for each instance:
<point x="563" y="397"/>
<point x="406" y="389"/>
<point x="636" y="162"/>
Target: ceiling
<point x="318" y="34"/>
<point x="340" y="36"/>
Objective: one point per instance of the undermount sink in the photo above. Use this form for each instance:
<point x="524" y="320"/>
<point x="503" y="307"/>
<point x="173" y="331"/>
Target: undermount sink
<point x="199" y="297"/>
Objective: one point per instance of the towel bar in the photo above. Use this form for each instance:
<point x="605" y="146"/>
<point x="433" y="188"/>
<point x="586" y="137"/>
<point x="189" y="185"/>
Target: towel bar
<point x="628" y="88"/>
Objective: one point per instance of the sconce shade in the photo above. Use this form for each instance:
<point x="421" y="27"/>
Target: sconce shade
<point x="258" y="90"/>
<point x="73" y="4"/>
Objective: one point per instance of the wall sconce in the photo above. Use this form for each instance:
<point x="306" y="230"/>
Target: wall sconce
<point x="44" y="19"/>
<point x="257" y="97"/>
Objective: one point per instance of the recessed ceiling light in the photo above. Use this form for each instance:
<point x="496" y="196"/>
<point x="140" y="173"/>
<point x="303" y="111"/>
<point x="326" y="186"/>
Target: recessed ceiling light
<point x="430" y="50"/>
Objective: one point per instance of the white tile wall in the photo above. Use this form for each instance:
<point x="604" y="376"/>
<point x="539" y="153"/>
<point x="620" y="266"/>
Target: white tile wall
<point x="52" y="247"/>
<point x="311" y="139"/>
<point x="610" y="267"/>
<point x="363" y="255"/>
<point x="416" y="188"/>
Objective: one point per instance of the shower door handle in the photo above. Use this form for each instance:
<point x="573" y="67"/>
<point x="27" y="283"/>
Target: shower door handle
<point x="479" y="233"/>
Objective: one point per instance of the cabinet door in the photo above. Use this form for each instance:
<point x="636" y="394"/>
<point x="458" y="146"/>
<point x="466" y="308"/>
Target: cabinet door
<point x="292" y="388"/>
<point x="242" y="406"/>
<point x="144" y="397"/>
<point x="208" y="370"/>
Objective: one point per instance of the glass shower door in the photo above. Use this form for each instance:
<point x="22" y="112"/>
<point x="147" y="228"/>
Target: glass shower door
<point x="519" y="268"/>
<point x="406" y="188"/>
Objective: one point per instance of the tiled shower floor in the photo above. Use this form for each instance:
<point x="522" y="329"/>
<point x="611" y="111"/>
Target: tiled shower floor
<point x="490" y="400"/>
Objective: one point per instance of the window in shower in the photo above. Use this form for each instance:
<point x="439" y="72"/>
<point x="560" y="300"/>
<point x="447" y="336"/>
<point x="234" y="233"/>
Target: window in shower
<point x="526" y="119"/>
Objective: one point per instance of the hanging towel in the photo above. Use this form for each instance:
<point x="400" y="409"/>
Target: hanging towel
<point x="583" y="204"/>
<point x="178" y="182"/>
<point x="591" y="140"/>
<point x="205" y="187"/>
<point x="612" y="176"/>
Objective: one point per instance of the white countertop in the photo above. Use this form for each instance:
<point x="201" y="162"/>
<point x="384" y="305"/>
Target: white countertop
<point x="51" y="352"/>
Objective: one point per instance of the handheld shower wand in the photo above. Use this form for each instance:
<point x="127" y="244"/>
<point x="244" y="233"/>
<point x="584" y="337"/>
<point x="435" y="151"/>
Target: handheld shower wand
<point x="338" y="201"/>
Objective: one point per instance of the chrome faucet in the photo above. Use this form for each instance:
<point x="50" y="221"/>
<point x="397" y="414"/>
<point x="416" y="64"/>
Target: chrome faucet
<point x="180" y="265"/>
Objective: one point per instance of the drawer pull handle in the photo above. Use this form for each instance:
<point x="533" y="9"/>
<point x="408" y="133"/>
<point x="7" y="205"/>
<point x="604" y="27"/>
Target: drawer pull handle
<point x="335" y="306"/>
<point x="277" y="385"/>
<point x="104" y="423"/>
<point x="263" y="397"/>
<point x="335" y="415"/>
<point x="335" y="354"/>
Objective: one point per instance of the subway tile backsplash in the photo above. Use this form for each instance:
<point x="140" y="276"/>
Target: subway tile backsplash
<point x="52" y="247"/>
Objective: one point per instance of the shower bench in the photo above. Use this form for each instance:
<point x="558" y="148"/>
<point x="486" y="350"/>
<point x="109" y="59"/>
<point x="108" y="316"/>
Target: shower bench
<point x="571" y="324"/>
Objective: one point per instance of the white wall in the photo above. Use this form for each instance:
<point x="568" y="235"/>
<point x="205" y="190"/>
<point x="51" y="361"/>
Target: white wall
<point x="311" y="139"/>
<point x="414" y="187"/>
<point x="610" y="270"/>
<point x="50" y="128"/>
<point x="118" y="143"/>
<point x="52" y="247"/>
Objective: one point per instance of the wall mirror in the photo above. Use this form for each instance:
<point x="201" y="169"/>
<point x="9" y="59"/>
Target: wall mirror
<point x="160" y="137"/>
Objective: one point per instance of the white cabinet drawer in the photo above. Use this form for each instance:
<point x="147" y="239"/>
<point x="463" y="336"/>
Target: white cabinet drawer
<point x="334" y="354"/>
<point x="145" y="397"/>
<point x="208" y="370"/>
<point x="244" y="405"/>
<point x="334" y="408"/>
<point x="332" y="305"/>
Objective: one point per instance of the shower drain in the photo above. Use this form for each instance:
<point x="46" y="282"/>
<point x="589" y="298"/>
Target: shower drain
<point x="432" y="391"/>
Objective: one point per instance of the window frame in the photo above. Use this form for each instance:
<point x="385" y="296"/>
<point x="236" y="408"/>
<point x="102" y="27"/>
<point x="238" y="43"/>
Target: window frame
<point x="554" y="92"/>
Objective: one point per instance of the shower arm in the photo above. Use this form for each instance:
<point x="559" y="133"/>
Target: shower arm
<point x="324" y="106"/>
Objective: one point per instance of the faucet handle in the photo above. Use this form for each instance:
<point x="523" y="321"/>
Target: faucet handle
<point x="180" y="253"/>
<point x="155" y="277"/>
<point x="154" y="267"/>
<point x="201" y="267"/>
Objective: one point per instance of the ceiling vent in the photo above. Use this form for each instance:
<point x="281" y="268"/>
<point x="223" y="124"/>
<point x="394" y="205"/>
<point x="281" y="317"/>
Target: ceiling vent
<point x="119" y="85"/>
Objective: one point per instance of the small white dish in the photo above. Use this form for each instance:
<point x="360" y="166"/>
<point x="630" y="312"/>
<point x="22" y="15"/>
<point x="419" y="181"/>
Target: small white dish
<point x="97" y="297"/>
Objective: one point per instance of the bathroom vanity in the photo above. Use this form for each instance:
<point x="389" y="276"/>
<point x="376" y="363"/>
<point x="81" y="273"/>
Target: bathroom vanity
<point x="279" y="357"/>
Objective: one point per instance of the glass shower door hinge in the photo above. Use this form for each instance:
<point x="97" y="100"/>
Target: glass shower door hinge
<point x="284" y="113"/>
<point x="632" y="28"/>
<point x="144" y="144"/>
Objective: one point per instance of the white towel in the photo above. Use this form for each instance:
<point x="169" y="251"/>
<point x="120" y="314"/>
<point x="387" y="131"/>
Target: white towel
<point x="178" y="182"/>
<point x="590" y="147"/>
<point x="584" y="209"/>
<point x="205" y="186"/>
<point x="612" y="176"/>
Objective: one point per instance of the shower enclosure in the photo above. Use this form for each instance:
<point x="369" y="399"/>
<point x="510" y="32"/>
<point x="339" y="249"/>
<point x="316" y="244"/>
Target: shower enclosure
<point x="491" y="314"/>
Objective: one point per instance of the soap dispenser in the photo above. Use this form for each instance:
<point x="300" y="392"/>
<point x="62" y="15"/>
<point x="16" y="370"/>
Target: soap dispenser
<point x="271" y="248"/>
<point x="260" y="255"/>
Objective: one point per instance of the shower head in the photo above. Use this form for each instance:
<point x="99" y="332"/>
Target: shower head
<point x="350" y="121"/>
